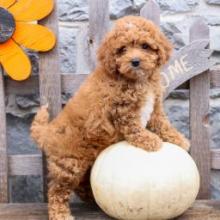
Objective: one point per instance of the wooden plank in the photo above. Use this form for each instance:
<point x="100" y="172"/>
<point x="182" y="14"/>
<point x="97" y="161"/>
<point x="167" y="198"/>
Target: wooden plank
<point x="50" y="80"/>
<point x="49" y="71"/>
<point x="39" y="212"/>
<point x="21" y="165"/>
<point x="32" y="164"/>
<point x="215" y="77"/>
<point x="98" y="26"/>
<point x="199" y="122"/>
<point x="201" y="210"/>
<point x="215" y="159"/>
<point x="27" y="87"/>
<point x="151" y="11"/>
<point x="3" y="145"/>
<point x="71" y="82"/>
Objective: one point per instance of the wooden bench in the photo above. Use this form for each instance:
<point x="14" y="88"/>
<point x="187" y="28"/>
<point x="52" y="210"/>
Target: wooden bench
<point x="50" y="83"/>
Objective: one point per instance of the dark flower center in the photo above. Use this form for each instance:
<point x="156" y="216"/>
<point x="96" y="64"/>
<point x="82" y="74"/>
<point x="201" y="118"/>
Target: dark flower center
<point x="7" y="25"/>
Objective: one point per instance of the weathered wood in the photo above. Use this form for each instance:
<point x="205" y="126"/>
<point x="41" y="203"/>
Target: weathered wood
<point x="25" y="165"/>
<point x="188" y="62"/>
<point x="215" y="159"/>
<point x="29" y="86"/>
<point x="7" y="25"/>
<point x="201" y="210"/>
<point x="151" y="11"/>
<point x="215" y="77"/>
<point x="70" y="83"/>
<point x="83" y="59"/>
<point x="49" y="71"/>
<point x="39" y="212"/>
<point x="199" y="121"/>
<point x="50" y="80"/>
<point x="20" y="165"/>
<point x="98" y="25"/>
<point x="3" y="145"/>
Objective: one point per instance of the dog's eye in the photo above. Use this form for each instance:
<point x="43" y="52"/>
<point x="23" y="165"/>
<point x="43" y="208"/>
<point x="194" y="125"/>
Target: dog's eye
<point x="145" y="46"/>
<point x="121" y="50"/>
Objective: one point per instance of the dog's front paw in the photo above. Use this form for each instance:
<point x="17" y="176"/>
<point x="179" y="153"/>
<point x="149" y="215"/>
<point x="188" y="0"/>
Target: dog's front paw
<point x="152" y="143"/>
<point x="62" y="217"/>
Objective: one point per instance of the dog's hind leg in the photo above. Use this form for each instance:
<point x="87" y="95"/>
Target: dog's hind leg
<point x="58" y="201"/>
<point x="65" y="175"/>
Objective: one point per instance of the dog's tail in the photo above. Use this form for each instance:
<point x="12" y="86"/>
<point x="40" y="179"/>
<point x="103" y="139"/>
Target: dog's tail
<point x="39" y="126"/>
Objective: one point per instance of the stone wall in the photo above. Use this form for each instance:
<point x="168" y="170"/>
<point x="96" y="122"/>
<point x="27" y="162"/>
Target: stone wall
<point x="177" y="15"/>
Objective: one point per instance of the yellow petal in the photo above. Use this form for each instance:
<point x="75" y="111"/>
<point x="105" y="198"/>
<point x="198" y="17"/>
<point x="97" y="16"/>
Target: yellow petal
<point x="30" y="10"/>
<point x="14" y="61"/>
<point x="34" y="36"/>
<point x="6" y="3"/>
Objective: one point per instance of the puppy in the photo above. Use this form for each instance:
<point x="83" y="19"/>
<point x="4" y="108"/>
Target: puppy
<point x="120" y="100"/>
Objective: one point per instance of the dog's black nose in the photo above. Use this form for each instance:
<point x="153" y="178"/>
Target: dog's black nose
<point x="135" y="62"/>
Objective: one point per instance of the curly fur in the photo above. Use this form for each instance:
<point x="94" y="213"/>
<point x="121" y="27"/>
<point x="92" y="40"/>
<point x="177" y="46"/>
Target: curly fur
<point x="107" y="108"/>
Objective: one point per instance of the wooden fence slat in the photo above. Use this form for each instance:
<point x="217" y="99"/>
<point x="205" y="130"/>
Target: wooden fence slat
<point x="215" y="77"/>
<point x="70" y="83"/>
<point x="200" y="210"/>
<point x="98" y="25"/>
<point x="49" y="71"/>
<point x="3" y="145"/>
<point x="151" y="11"/>
<point x="25" y="165"/>
<point x="199" y="122"/>
<point x="20" y="165"/>
<point x="50" y="80"/>
<point x="215" y="159"/>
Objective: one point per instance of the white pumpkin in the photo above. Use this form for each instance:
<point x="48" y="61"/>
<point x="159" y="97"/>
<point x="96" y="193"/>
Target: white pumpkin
<point x="132" y="184"/>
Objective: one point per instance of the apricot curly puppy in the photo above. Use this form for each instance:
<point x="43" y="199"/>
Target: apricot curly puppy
<point x="120" y="100"/>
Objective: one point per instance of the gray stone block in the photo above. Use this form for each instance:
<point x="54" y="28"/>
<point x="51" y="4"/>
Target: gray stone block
<point x="18" y="135"/>
<point x="34" y="58"/>
<point x="214" y="38"/>
<point x="213" y="2"/>
<point x="73" y="10"/>
<point x="77" y="10"/>
<point x="26" y="189"/>
<point x="177" y="111"/>
<point x="177" y="6"/>
<point x="178" y="33"/>
<point x="119" y="8"/>
<point x="67" y="49"/>
<point x="212" y="20"/>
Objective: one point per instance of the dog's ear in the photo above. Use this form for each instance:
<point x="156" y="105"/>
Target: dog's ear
<point x="164" y="48"/>
<point x="106" y="55"/>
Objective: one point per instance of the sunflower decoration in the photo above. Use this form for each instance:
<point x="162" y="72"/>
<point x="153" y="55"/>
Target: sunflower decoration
<point x="18" y="29"/>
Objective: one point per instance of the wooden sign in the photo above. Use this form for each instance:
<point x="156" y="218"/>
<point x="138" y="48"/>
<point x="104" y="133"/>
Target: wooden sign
<point x="186" y="63"/>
